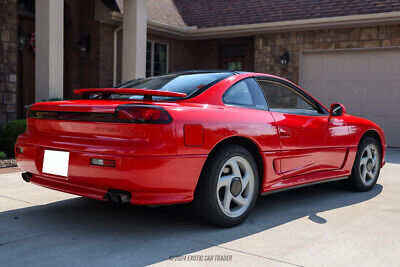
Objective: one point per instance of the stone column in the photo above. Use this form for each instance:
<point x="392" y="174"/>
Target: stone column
<point x="134" y="39"/>
<point x="8" y="62"/>
<point x="49" y="19"/>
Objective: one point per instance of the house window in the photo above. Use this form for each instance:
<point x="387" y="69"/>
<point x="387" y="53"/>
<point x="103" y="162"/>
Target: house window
<point x="156" y="58"/>
<point x="234" y="65"/>
<point x="232" y="57"/>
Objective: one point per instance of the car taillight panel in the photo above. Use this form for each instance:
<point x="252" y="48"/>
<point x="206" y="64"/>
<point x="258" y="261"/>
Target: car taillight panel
<point x="142" y="114"/>
<point x="126" y="113"/>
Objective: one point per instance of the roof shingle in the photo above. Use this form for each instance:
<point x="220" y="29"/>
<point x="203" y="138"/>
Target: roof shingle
<point x="214" y="13"/>
<point x="161" y="11"/>
<point x="205" y="14"/>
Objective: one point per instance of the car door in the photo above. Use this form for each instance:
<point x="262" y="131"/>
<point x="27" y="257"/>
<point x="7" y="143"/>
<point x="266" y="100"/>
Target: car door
<point x="310" y="141"/>
<point x="253" y="119"/>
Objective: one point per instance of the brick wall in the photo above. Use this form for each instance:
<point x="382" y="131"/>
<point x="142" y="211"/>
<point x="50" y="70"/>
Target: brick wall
<point x="88" y="67"/>
<point x="8" y="61"/>
<point x="268" y="47"/>
<point x="71" y="49"/>
<point x="105" y="54"/>
<point x="96" y="69"/>
<point x="208" y="55"/>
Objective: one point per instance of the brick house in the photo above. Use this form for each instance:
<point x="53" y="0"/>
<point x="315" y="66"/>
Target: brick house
<point x="340" y="51"/>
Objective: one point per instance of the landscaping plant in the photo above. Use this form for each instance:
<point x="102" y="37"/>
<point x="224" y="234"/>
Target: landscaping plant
<point x="10" y="134"/>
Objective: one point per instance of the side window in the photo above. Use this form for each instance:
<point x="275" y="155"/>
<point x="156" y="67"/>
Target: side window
<point x="245" y="93"/>
<point x="284" y="99"/>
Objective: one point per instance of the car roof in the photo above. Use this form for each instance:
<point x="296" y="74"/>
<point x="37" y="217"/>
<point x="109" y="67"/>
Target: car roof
<point x="201" y="71"/>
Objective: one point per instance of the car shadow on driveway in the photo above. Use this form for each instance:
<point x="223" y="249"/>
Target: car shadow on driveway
<point x="80" y="230"/>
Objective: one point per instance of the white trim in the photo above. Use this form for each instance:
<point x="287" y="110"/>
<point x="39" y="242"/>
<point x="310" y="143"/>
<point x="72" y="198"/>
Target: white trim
<point x="251" y="29"/>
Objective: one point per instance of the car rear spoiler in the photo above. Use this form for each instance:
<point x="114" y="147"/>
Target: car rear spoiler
<point x="128" y="91"/>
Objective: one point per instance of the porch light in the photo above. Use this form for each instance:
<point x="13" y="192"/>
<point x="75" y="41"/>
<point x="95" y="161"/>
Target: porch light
<point x="84" y="46"/>
<point x="21" y="41"/>
<point x="284" y="60"/>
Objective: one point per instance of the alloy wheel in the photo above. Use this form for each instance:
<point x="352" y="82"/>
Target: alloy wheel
<point x="369" y="164"/>
<point x="235" y="186"/>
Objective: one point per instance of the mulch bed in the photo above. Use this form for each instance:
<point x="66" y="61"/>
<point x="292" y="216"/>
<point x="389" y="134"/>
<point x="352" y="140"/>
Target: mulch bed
<point x="7" y="162"/>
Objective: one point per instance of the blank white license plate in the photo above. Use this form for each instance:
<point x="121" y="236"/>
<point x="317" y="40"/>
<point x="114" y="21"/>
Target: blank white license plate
<point x="56" y="162"/>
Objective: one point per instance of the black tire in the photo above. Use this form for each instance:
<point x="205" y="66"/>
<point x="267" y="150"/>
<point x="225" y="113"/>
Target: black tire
<point x="355" y="182"/>
<point x="205" y="198"/>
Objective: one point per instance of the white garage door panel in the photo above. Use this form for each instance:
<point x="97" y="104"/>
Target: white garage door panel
<point x="367" y="82"/>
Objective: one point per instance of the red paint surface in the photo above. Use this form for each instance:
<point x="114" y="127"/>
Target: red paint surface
<point x="161" y="163"/>
<point x="194" y="134"/>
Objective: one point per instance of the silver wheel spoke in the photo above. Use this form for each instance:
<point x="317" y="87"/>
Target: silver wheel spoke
<point x="225" y="181"/>
<point x="235" y="168"/>
<point x="227" y="200"/>
<point x="241" y="201"/>
<point x="369" y="152"/>
<point x="363" y="161"/>
<point x="245" y="181"/>
<point x="374" y="162"/>
<point x="363" y="174"/>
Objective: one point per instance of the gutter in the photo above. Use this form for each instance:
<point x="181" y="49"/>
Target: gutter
<point x="194" y="33"/>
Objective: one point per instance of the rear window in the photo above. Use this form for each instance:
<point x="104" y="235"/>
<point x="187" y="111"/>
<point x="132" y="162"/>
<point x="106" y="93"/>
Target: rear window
<point x="191" y="84"/>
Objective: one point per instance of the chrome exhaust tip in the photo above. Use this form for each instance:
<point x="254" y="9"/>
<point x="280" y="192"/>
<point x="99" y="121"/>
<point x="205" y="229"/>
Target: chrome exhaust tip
<point x="118" y="196"/>
<point x="124" y="197"/>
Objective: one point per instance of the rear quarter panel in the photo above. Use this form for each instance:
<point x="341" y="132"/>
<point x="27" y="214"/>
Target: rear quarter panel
<point x="222" y="122"/>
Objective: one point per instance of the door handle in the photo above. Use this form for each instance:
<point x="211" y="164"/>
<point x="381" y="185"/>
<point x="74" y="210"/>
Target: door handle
<point x="284" y="133"/>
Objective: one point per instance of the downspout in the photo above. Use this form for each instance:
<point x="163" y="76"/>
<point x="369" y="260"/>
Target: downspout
<point x="115" y="54"/>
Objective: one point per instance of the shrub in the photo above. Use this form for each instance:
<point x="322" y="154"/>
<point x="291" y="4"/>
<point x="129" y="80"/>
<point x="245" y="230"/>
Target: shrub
<point x="2" y="155"/>
<point x="10" y="134"/>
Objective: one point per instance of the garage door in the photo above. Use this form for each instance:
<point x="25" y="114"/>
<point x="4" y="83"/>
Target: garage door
<point x="367" y="82"/>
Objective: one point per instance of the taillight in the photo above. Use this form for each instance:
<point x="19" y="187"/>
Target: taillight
<point x="142" y="114"/>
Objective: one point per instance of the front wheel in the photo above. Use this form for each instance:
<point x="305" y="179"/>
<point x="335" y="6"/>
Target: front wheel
<point x="228" y="187"/>
<point x="367" y="166"/>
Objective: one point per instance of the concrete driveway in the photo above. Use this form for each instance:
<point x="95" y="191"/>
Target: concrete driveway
<point x="319" y="225"/>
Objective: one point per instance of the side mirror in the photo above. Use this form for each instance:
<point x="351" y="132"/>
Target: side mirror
<point x="337" y="110"/>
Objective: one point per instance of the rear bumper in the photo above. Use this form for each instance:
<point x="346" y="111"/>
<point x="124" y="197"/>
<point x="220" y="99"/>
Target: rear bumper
<point x="151" y="179"/>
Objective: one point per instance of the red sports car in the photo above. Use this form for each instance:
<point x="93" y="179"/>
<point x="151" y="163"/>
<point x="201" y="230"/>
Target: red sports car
<point x="217" y="138"/>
